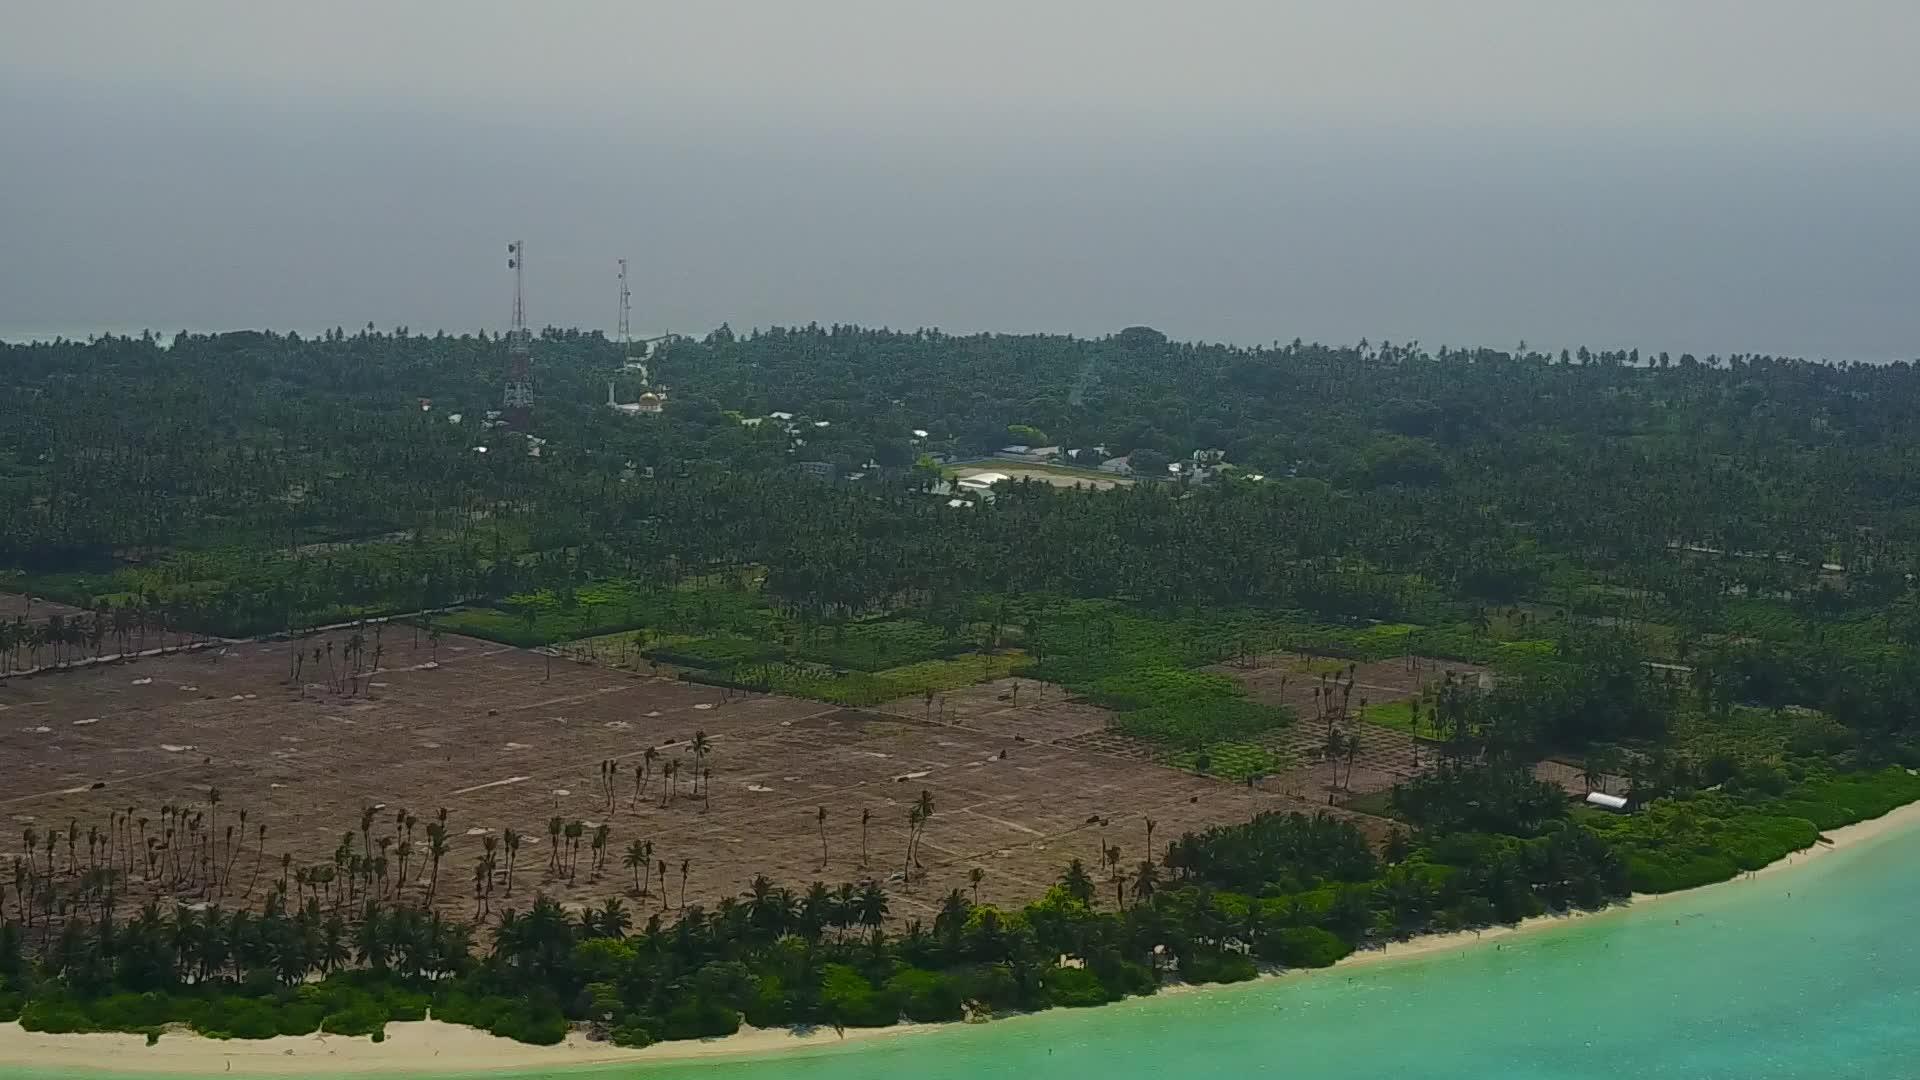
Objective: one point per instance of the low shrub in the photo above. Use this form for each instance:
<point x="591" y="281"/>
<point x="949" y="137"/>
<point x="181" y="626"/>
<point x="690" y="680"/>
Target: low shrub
<point x="1302" y="947"/>
<point x="633" y="1035"/>
<point x="699" y="1018"/>
<point x="850" y="999"/>
<point x="1217" y="967"/>
<point x="925" y="996"/>
<point x="1076" y="988"/>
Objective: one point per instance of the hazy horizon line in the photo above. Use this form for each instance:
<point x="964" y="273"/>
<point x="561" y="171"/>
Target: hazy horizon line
<point x="15" y="337"/>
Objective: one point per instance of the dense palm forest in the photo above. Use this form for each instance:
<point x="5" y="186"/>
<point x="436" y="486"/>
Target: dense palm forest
<point x="1692" y="573"/>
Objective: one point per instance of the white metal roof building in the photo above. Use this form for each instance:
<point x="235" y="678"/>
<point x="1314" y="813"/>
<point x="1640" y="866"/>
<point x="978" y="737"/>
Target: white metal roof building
<point x="983" y="481"/>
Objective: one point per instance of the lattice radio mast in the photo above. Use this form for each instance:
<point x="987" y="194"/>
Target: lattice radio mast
<point x="626" y="309"/>
<point x="517" y="399"/>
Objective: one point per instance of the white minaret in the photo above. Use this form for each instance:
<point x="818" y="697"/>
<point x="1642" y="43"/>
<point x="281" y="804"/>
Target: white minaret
<point x="611" y="403"/>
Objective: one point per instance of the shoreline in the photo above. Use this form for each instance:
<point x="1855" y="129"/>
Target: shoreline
<point x="416" y="1047"/>
<point x="1846" y="836"/>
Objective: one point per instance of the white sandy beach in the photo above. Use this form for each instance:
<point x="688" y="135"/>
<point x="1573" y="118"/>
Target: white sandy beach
<point x="424" y="1047"/>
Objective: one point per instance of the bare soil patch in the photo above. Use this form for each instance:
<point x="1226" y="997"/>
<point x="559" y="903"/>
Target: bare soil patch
<point x="33" y="609"/>
<point x="485" y="732"/>
<point x="1027" y="708"/>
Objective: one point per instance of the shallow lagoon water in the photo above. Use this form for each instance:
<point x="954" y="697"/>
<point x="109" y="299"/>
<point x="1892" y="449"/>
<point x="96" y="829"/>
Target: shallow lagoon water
<point x="1810" y="972"/>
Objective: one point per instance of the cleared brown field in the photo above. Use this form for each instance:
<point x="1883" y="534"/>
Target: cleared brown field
<point x="32" y="609"/>
<point x="485" y="733"/>
<point x="1028" y="708"/>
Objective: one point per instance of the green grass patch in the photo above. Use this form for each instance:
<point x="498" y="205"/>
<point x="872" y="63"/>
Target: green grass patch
<point x="1195" y="725"/>
<point x="862" y="689"/>
<point x="614" y="606"/>
<point x="1398" y="715"/>
<point x="878" y="644"/>
<point x="1235" y="761"/>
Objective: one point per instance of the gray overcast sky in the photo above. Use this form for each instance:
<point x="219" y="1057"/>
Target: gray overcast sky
<point x="1711" y="176"/>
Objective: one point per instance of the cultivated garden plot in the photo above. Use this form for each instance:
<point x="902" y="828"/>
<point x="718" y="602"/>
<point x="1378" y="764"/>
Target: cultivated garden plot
<point x="1376" y="757"/>
<point x="503" y="739"/>
<point x="1290" y="679"/>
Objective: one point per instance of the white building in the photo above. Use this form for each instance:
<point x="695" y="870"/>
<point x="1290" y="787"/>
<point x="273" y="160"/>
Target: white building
<point x="651" y="403"/>
<point x="982" y="481"/>
<point x="1606" y="802"/>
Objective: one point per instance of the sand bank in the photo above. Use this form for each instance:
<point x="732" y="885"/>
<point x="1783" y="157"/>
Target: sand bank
<point x="412" y="1048"/>
<point x="424" y="1047"/>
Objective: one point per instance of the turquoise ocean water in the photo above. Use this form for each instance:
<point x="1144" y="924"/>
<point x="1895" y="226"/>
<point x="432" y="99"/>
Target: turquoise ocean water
<point x="1810" y="973"/>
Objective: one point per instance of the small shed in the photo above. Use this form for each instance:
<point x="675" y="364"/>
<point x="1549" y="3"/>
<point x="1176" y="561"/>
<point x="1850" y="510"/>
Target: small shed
<point x="1607" y="802"/>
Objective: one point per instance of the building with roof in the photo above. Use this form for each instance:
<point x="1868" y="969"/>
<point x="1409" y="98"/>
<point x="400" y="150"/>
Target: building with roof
<point x="982" y="481"/>
<point x="651" y="403"/>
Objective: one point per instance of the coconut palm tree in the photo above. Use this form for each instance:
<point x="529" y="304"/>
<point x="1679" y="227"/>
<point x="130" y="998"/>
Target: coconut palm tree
<point x="1146" y="879"/>
<point x="436" y="850"/>
<point x="871" y="906"/>
<point x="574" y="831"/>
<point x="554" y="826"/>
<point x="866" y="815"/>
<point x="685" y="866"/>
<point x="259" y="849"/>
<point x="1076" y="882"/>
<point x="820" y="818"/>
<point x="913" y="830"/>
<point x="614" y="920"/>
<point x="701" y="747"/>
<point x="974" y="877"/>
<point x="511" y="841"/>
<point x="669" y="785"/>
<point x="635" y="858"/>
<point x="408" y="821"/>
<point x="923" y="814"/>
<point x="645" y="772"/>
<point x="213" y="805"/>
<point x="600" y="834"/>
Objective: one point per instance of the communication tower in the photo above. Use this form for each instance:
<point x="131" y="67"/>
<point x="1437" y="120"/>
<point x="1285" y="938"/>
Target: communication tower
<point x="626" y="309"/>
<point x="517" y="400"/>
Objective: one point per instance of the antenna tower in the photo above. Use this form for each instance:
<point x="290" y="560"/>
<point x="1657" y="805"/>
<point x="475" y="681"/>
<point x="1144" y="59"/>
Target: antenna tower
<point x="518" y="396"/>
<point x="626" y="308"/>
